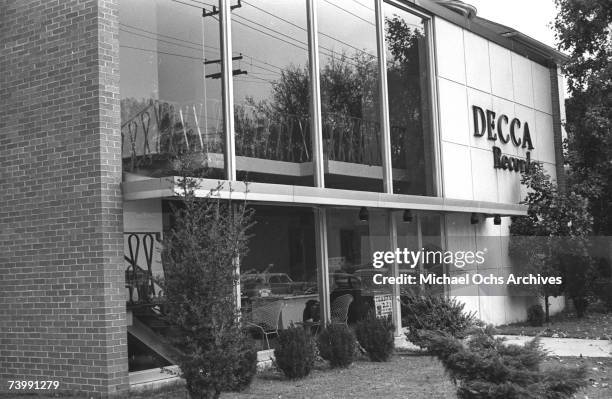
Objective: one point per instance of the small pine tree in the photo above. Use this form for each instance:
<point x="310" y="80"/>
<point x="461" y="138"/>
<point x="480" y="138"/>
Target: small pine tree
<point x="435" y="313"/>
<point x="295" y="352"/>
<point x="375" y="335"/>
<point x="199" y="284"/>
<point x="338" y="345"/>
<point x="486" y="368"/>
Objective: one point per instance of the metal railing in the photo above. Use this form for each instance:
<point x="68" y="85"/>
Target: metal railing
<point x="159" y="129"/>
<point x="138" y="276"/>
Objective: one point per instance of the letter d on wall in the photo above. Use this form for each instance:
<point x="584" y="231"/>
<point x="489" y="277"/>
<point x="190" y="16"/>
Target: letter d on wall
<point x="479" y="121"/>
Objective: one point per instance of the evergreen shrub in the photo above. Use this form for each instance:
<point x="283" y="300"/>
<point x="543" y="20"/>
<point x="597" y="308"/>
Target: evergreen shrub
<point x="295" y="352"/>
<point x="337" y="344"/>
<point x="375" y="335"/>
<point x="485" y="367"/>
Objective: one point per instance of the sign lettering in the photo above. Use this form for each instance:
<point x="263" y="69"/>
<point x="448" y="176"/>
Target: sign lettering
<point x="496" y="127"/>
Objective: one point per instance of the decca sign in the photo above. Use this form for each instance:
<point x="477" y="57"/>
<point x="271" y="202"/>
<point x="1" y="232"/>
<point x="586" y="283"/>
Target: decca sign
<point x="508" y="131"/>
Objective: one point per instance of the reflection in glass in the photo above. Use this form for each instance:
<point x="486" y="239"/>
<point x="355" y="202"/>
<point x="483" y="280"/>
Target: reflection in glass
<point x="349" y="95"/>
<point x="279" y="271"/>
<point x="167" y="106"/>
<point x="432" y="240"/>
<point x="271" y="92"/>
<point x="351" y="244"/>
<point x="407" y="237"/>
<point x="407" y="81"/>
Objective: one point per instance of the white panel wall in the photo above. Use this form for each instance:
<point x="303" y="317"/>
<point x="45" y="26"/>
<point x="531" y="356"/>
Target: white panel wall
<point x="501" y="71"/>
<point x="449" y="51"/>
<point x="478" y="70"/>
<point x="522" y="80"/>
<point x="474" y="71"/>
<point x="454" y="122"/>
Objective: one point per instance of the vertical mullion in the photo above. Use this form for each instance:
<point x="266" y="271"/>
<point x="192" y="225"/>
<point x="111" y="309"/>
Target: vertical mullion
<point x="316" y="137"/>
<point x="383" y="91"/>
<point x="316" y="128"/>
<point x="322" y="263"/>
<point x="227" y="89"/>
<point x="434" y="114"/>
<point x="419" y="247"/>
<point x="395" y="302"/>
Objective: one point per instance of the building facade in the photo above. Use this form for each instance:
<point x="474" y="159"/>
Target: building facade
<point x="360" y="126"/>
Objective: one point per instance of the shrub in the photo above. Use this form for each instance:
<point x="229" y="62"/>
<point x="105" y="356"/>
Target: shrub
<point x="487" y="368"/>
<point x="199" y="252"/>
<point x="337" y="345"/>
<point x="435" y="313"/>
<point x="375" y="335"/>
<point x="230" y="366"/>
<point x="535" y="315"/>
<point x="295" y="352"/>
<point x="245" y="366"/>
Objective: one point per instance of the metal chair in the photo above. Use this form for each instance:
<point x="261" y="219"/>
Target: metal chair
<point x="266" y="318"/>
<point x="340" y="308"/>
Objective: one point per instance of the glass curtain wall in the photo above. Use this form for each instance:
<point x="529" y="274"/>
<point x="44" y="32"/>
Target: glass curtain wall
<point x="350" y="103"/>
<point x="278" y="275"/>
<point x="423" y="233"/>
<point x="408" y="237"/>
<point x="353" y="235"/>
<point x="169" y="104"/>
<point x="432" y="239"/>
<point x="171" y="92"/>
<point x="271" y="92"/>
<point x="409" y="104"/>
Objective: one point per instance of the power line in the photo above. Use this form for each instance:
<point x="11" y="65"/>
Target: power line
<point x="349" y="12"/>
<point x="275" y="37"/>
<point x="161" y="52"/>
<point x="188" y="4"/>
<point x="161" y="40"/>
<point x="276" y="73"/>
<point x="304" y="29"/>
<point x="363" y="5"/>
<point x="330" y="51"/>
<point x="167" y="36"/>
<point x="199" y="45"/>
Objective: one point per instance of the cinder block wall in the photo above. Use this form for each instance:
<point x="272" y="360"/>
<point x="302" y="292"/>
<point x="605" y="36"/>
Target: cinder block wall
<point x="62" y="313"/>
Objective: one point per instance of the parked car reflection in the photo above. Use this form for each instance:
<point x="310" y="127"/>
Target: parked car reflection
<point x="267" y="284"/>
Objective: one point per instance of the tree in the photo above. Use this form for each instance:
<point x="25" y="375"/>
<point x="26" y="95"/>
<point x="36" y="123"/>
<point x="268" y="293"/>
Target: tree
<point x="552" y="240"/>
<point x="483" y="366"/>
<point x="199" y="254"/>
<point x="584" y="31"/>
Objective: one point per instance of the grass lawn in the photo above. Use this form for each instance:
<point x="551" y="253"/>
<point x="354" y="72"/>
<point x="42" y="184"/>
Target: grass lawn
<point x="405" y="376"/>
<point x="566" y="325"/>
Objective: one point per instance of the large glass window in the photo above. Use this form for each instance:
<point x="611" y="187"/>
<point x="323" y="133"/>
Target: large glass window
<point x="170" y="94"/>
<point x="271" y="92"/>
<point x="422" y="233"/>
<point x="353" y="235"/>
<point x="409" y="110"/>
<point x="349" y="95"/>
<point x="278" y="276"/>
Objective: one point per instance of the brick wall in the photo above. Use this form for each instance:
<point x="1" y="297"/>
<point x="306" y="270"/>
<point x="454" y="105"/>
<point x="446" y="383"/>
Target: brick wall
<point x="62" y="312"/>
